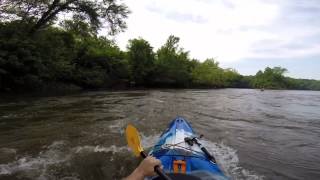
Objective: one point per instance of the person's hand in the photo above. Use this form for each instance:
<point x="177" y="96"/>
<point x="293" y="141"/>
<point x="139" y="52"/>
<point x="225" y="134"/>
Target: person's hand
<point x="146" y="167"/>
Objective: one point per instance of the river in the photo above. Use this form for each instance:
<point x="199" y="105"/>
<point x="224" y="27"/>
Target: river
<point x="252" y="134"/>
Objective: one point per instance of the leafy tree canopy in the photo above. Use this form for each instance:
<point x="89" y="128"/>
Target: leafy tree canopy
<point x="173" y="63"/>
<point x="272" y="78"/>
<point x="141" y="60"/>
<point x="208" y="73"/>
<point x="45" y="12"/>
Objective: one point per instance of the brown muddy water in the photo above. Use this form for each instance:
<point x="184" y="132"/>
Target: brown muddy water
<point x="252" y="134"/>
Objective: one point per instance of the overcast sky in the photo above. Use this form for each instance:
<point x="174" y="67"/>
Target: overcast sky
<point x="247" y="35"/>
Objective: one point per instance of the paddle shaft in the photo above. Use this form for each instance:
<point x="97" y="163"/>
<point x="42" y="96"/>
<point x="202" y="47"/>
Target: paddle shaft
<point x="206" y="152"/>
<point x="190" y="141"/>
<point x="156" y="168"/>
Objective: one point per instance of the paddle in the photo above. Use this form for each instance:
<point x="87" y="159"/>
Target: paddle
<point x="133" y="139"/>
<point x="190" y="141"/>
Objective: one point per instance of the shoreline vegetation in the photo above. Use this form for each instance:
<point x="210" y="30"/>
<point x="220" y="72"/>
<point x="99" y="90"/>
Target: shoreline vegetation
<point x="39" y="52"/>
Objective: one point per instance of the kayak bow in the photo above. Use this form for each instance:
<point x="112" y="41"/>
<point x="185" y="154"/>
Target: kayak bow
<point x="181" y="153"/>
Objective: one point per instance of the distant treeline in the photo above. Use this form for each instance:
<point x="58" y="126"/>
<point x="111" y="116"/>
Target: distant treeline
<point x="37" y="56"/>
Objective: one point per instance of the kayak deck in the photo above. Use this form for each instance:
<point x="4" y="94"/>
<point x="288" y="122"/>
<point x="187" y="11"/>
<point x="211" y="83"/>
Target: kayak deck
<point x="174" y="152"/>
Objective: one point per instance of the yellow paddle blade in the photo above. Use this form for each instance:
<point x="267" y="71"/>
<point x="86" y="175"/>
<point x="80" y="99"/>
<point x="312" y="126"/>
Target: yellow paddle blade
<point x="133" y="140"/>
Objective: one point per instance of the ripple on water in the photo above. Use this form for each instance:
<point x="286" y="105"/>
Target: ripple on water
<point x="283" y="126"/>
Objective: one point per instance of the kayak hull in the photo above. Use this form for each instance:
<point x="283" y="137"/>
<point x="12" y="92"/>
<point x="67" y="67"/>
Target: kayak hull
<point x="172" y="148"/>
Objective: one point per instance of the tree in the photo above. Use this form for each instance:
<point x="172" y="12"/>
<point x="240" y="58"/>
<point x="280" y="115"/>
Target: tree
<point x="208" y="74"/>
<point x="141" y="61"/>
<point x="78" y="28"/>
<point x="231" y="78"/>
<point x="29" y="63"/>
<point x="279" y="71"/>
<point x="272" y="78"/>
<point x="173" y="64"/>
<point x="44" y="12"/>
<point x="99" y="63"/>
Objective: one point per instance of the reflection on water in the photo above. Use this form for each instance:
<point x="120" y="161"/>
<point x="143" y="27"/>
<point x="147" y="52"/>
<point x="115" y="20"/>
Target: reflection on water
<point x="253" y="134"/>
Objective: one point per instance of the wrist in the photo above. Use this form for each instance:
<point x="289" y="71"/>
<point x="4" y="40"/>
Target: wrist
<point x="139" y="173"/>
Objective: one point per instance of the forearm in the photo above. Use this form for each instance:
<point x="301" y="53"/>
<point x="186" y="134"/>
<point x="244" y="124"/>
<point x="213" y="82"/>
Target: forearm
<point x="135" y="175"/>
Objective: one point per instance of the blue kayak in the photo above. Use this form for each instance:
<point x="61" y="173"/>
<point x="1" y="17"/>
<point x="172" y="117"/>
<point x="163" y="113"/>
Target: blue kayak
<point x="181" y="153"/>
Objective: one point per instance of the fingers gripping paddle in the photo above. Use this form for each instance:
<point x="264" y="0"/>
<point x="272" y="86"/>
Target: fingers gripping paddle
<point x="133" y="139"/>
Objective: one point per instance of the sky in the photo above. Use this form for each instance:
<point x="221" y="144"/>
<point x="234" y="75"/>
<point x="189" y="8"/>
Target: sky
<point x="247" y="35"/>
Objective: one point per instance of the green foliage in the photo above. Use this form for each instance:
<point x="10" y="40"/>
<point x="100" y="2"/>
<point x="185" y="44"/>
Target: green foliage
<point x="232" y="78"/>
<point x="99" y="63"/>
<point x="141" y="61"/>
<point x="75" y="55"/>
<point x="35" y="53"/>
<point x="173" y="67"/>
<point x="303" y="84"/>
<point x="244" y="82"/>
<point x="28" y="62"/>
<point x="78" y="28"/>
<point x="208" y="74"/>
<point x="270" y="78"/>
<point x="45" y="12"/>
<point x="57" y="55"/>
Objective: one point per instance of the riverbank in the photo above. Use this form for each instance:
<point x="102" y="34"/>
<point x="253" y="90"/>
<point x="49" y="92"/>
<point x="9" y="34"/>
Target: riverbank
<point x="62" y="59"/>
<point x="74" y="90"/>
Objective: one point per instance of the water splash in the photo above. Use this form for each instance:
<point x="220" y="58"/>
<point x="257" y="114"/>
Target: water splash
<point x="114" y="149"/>
<point x="117" y="127"/>
<point x="59" y="153"/>
<point x="149" y="141"/>
<point x="36" y="167"/>
<point x="228" y="160"/>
